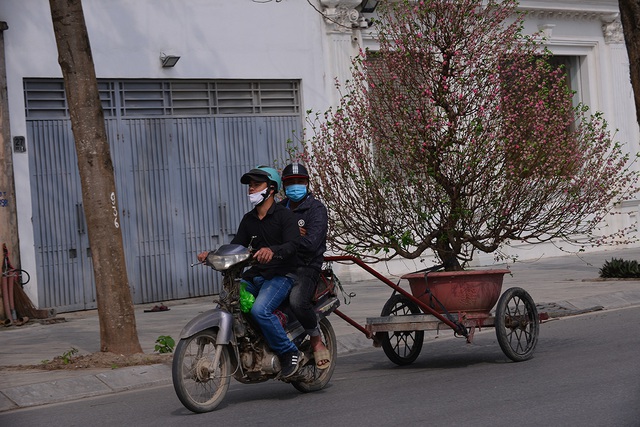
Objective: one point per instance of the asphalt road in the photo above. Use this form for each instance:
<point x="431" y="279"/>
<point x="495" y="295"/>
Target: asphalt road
<point x="585" y="372"/>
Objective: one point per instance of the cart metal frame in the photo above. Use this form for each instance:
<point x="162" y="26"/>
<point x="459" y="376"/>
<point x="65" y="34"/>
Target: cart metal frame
<point x="516" y="321"/>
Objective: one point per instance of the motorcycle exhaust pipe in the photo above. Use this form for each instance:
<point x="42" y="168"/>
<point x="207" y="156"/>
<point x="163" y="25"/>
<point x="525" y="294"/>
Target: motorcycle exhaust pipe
<point x="271" y="364"/>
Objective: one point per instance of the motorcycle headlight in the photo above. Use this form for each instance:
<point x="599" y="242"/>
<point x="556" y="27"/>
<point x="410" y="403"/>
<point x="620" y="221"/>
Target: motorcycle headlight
<point x="227" y="256"/>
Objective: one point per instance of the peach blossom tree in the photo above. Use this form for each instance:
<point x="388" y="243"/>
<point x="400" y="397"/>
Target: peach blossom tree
<point x="458" y="136"/>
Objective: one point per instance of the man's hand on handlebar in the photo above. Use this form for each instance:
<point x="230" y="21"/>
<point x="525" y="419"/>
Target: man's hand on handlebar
<point x="202" y="256"/>
<point x="263" y="255"/>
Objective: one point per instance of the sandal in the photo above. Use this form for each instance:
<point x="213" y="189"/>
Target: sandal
<point x="155" y="308"/>
<point x="322" y="356"/>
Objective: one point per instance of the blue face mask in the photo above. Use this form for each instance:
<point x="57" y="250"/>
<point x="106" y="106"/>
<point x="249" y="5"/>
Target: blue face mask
<point x="296" y="192"/>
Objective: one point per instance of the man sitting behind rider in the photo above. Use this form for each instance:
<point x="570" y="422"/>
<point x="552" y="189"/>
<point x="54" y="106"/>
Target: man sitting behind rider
<point x="272" y="232"/>
<point x="312" y="219"/>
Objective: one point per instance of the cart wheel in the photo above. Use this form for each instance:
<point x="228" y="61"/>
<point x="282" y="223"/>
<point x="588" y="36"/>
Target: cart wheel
<point x="517" y="324"/>
<point x="401" y="347"/>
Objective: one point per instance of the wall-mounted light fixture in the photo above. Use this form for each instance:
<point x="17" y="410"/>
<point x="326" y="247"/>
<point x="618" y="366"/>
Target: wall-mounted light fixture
<point x="368" y="6"/>
<point x="168" y="61"/>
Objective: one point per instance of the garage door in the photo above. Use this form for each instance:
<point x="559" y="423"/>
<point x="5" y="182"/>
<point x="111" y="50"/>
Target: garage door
<point x="179" y="148"/>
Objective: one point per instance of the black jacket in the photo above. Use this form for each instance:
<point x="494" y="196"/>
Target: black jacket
<point x="311" y="214"/>
<point x="277" y="231"/>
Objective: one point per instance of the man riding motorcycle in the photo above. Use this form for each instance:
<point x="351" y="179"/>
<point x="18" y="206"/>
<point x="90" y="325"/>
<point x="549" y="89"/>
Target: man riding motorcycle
<point x="272" y="232"/>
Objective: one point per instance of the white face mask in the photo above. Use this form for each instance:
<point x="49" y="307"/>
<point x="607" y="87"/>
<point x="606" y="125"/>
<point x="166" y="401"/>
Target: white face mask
<point x="256" y="198"/>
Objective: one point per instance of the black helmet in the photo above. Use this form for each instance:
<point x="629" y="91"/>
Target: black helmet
<point x="294" y="170"/>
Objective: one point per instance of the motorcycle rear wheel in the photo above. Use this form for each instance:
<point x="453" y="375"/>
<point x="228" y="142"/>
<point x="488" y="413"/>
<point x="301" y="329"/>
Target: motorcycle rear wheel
<point x="199" y="385"/>
<point x="320" y="377"/>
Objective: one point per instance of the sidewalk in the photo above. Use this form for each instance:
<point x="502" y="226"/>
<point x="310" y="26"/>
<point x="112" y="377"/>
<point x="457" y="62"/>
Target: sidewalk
<point x="559" y="286"/>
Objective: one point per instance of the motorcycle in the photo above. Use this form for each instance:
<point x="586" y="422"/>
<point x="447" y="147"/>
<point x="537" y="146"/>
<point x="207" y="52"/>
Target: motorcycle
<point x="225" y="342"/>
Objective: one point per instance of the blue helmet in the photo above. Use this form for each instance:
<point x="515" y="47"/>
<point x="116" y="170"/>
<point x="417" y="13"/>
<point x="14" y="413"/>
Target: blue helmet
<point x="263" y="174"/>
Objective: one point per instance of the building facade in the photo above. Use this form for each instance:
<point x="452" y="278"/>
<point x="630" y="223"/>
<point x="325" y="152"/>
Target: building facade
<point x="181" y="135"/>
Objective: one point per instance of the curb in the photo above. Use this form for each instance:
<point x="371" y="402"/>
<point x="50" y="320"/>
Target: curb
<point x="117" y="380"/>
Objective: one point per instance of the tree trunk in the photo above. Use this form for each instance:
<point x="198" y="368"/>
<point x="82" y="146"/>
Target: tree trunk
<point x="118" y="332"/>
<point x="630" y="17"/>
<point x="8" y="213"/>
<point x="447" y="255"/>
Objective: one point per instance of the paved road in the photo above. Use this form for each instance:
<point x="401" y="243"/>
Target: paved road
<point x="584" y="374"/>
<point x="561" y="286"/>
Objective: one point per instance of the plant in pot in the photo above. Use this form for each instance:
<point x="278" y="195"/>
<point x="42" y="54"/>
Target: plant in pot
<point x="460" y="135"/>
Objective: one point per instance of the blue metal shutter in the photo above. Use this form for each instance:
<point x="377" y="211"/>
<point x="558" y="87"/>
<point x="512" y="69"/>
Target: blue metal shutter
<point x="179" y="149"/>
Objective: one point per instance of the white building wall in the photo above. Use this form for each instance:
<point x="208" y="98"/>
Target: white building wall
<point x="288" y="39"/>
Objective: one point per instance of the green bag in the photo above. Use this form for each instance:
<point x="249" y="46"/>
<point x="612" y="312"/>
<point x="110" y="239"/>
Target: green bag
<point x="246" y="298"/>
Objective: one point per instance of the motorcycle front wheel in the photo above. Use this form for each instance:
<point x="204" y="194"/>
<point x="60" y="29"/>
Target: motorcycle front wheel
<point x="199" y="384"/>
<point x="319" y="378"/>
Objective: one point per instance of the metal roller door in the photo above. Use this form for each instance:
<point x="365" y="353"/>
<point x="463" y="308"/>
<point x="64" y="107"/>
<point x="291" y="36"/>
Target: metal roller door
<point x="178" y="150"/>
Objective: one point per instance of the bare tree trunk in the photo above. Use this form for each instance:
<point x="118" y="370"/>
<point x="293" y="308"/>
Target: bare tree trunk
<point x="8" y="213"/>
<point x="630" y="17"/>
<point x="118" y="332"/>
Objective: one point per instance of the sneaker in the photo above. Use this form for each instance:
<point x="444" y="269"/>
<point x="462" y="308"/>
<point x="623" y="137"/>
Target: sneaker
<point x="289" y="363"/>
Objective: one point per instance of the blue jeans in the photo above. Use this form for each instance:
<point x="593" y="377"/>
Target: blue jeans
<point x="269" y="295"/>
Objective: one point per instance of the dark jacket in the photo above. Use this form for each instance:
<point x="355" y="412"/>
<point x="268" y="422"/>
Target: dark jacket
<point x="277" y="231"/>
<point x="311" y="214"/>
